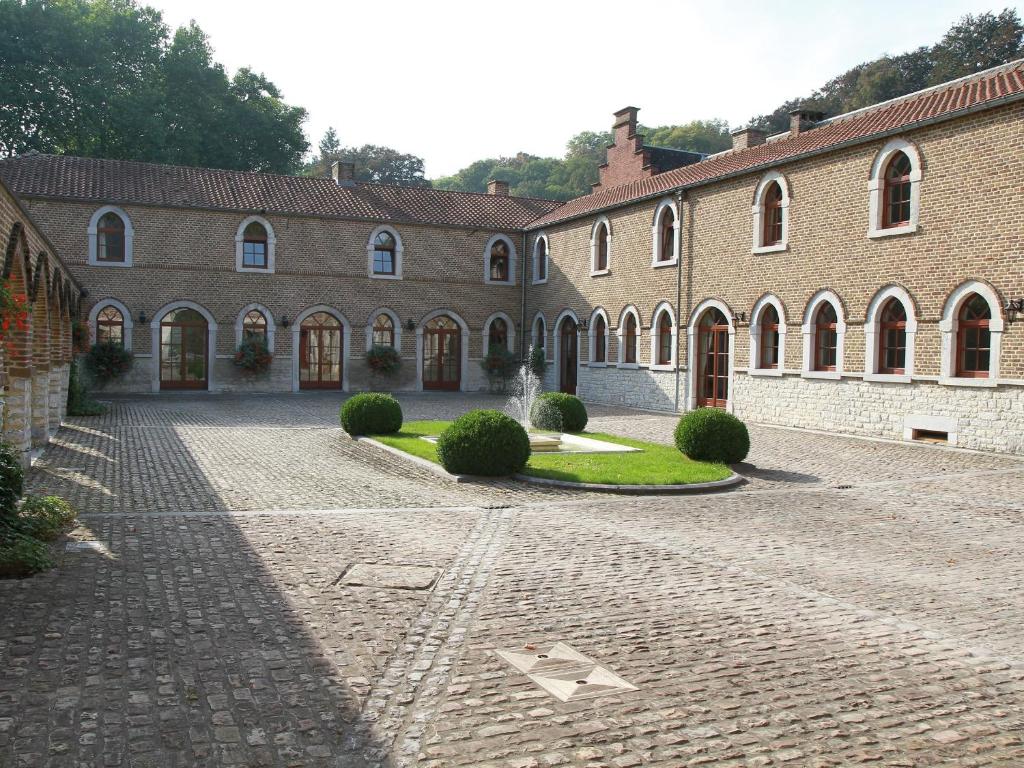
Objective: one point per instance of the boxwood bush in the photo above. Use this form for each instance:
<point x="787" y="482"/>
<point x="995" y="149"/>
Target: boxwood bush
<point x="559" y="411"/>
<point x="708" y="434"/>
<point x="484" y="443"/>
<point x="371" y="413"/>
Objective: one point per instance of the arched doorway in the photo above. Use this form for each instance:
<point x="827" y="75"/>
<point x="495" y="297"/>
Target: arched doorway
<point x="320" y="344"/>
<point x="442" y="354"/>
<point x="713" y="359"/>
<point x="567" y="355"/>
<point x="184" y="351"/>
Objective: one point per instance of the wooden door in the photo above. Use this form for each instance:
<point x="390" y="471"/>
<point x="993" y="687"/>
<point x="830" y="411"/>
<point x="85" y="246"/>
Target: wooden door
<point x="713" y="360"/>
<point x="320" y="357"/>
<point x="568" y="353"/>
<point x="442" y="354"/>
<point x="183" y="350"/>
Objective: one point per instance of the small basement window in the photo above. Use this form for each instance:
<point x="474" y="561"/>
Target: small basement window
<point x="931" y="436"/>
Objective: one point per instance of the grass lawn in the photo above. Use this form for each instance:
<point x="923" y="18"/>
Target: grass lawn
<point x="653" y="465"/>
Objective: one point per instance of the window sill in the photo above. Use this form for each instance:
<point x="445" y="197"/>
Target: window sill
<point x="121" y="264"/>
<point x="669" y="263"/>
<point x="508" y="283"/>
<point x="764" y="372"/>
<point x="908" y="229"/>
<point x="383" y="276"/>
<point x="255" y="270"/>
<point x="599" y="272"/>
<point x="595" y="364"/>
<point x="888" y="378"/>
<point x="629" y="366"/>
<point x="830" y="375"/>
<point x="539" y="282"/>
<point x="660" y="367"/>
<point x="777" y="248"/>
<point x="965" y="381"/>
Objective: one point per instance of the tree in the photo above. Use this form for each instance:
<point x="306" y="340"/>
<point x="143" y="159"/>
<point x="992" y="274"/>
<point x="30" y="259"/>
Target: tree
<point x="976" y="43"/>
<point x="705" y="136"/>
<point x="374" y="164"/>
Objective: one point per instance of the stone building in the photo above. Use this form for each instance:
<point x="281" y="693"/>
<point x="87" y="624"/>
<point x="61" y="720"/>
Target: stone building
<point x="859" y="273"/>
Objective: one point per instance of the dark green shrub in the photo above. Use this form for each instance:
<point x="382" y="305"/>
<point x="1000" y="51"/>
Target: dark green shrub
<point x="708" y="434"/>
<point x="559" y="412"/>
<point x="500" y="364"/>
<point x="253" y="355"/>
<point x="107" y="361"/>
<point x="383" y="360"/>
<point x="484" y="443"/>
<point x="79" y="402"/>
<point x="12" y="478"/>
<point x="46" y="517"/>
<point x="22" y="555"/>
<point x="371" y="413"/>
<point x="537" y="362"/>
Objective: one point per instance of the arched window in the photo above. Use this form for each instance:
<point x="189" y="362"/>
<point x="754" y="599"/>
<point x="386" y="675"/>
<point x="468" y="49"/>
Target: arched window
<point x="383" y="331"/>
<point x="974" y="338"/>
<point x="600" y="247"/>
<point x="826" y="337"/>
<point x="771" y="232"/>
<point x="384" y="247"/>
<point x="664" y="339"/>
<point x="539" y="333"/>
<point x="599" y="351"/>
<point x="254" y="246"/>
<point x="110" y="326"/>
<point x="540" y="260"/>
<point x="667" y="235"/>
<point x="769" y="347"/>
<point x="497" y="335"/>
<point x="629" y="334"/>
<point x="897" y="188"/>
<point x="892" y="338"/>
<point x="110" y="239"/>
<point x="499" y="262"/>
<point x="254" y="325"/>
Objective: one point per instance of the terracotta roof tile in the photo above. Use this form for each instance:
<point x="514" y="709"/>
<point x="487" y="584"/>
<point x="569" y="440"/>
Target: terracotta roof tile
<point x="942" y="101"/>
<point x="121" y="181"/>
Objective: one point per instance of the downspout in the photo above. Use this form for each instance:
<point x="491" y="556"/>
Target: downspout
<point x="680" y="195"/>
<point x="522" y="308"/>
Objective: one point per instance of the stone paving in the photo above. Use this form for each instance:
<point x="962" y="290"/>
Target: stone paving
<point x="857" y="602"/>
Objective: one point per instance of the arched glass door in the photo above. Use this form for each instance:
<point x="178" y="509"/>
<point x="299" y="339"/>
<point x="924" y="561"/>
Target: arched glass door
<point x="320" y="352"/>
<point x="568" y="355"/>
<point x="183" y="350"/>
<point x="442" y="354"/>
<point x="713" y="360"/>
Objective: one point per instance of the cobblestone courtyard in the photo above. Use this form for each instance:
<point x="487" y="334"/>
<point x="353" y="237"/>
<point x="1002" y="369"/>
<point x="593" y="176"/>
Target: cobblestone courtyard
<point x="856" y="602"/>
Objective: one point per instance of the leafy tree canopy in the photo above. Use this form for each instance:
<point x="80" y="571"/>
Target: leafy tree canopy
<point x="381" y="165"/>
<point x="105" y="78"/>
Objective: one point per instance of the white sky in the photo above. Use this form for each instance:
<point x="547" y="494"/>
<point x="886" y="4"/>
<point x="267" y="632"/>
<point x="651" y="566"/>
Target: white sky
<point x="455" y="82"/>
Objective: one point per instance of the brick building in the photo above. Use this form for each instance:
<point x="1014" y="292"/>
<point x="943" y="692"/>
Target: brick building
<point x="859" y="273"/>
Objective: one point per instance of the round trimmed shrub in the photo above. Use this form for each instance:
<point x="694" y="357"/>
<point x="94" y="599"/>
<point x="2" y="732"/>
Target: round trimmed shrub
<point x="484" y="443"/>
<point x="559" y="411"/>
<point x="371" y="413"/>
<point x="708" y="434"/>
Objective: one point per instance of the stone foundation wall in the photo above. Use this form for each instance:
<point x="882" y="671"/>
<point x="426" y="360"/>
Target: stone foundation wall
<point x="632" y="387"/>
<point x="982" y="418"/>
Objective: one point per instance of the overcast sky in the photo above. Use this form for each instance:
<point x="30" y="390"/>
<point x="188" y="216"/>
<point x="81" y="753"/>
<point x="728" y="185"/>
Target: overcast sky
<point x="455" y="82"/>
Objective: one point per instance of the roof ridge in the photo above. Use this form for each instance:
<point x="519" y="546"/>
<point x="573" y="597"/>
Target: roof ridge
<point x="459" y="192"/>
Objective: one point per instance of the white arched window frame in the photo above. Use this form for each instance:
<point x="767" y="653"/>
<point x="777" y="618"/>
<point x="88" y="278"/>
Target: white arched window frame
<point x="592" y="336"/>
<point x="662" y="308"/>
<point x="509" y="326"/>
<point x="691" y="344"/>
<point x="240" y="245"/>
<point x="372" y="320"/>
<point x="512" y="260"/>
<point x="239" y="329"/>
<point x="556" y="335"/>
<point x="949" y="329"/>
<point x="540" y="331"/>
<point x="541" y="252"/>
<point x="125" y="316"/>
<point x="762" y="304"/>
<point x="129" y="237"/>
<point x="757" y="210"/>
<point x="399" y="252"/>
<point x="464" y="346"/>
<point x="620" y="335"/>
<point x="664" y="208"/>
<point x="876" y="189"/>
<point x="808" y="329"/>
<point x="346" y="340"/>
<point x="594" y="271"/>
<point x="872" y="340"/>
<point x="211" y="340"/>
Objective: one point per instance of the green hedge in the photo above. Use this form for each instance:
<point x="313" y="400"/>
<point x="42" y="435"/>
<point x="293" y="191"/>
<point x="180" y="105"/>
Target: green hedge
<point x="45" y="517"/>
<point x="708" y="434"/>
<point x="371" y="413"/>
<point x="484" y="443"/>
<point x="559" y="412"/>
<point x="12" y="479"/>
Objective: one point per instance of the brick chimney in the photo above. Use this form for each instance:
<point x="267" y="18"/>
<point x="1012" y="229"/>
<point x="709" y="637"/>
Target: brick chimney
<point x="745" y="138"/>
<point x="343" y="173"/>
<point x="801" y="120"/>
<point x="497" y="187"/>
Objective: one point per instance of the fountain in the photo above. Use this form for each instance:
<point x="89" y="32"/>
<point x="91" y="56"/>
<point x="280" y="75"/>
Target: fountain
<point x="526" y="388"/>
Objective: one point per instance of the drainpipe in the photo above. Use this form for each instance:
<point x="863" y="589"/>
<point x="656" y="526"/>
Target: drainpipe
<point x="679" y="287"/>
<point x="522" y="309"/>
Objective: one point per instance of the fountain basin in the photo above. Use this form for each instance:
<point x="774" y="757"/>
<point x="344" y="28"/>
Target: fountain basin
<point x="546" y="442"/>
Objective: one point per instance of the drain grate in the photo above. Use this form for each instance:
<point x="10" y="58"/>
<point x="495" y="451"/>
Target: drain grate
<point x="565" y="673"/>
<point x="415" y="577"/>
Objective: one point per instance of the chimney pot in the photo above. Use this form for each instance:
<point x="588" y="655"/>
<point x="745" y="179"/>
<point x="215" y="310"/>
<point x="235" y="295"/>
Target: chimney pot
<point x="343" y="173"/>
<point x="748" y="137"/>
<point x="497" y="187"/>
<point x="801" y="120"/>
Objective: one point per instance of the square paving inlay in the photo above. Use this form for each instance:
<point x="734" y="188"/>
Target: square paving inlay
<point x="391" y="576"/>
<point x="565" y="673"/>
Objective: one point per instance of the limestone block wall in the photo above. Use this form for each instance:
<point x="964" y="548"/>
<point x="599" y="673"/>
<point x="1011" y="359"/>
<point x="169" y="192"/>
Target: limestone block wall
<point x="632" y="387"/>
